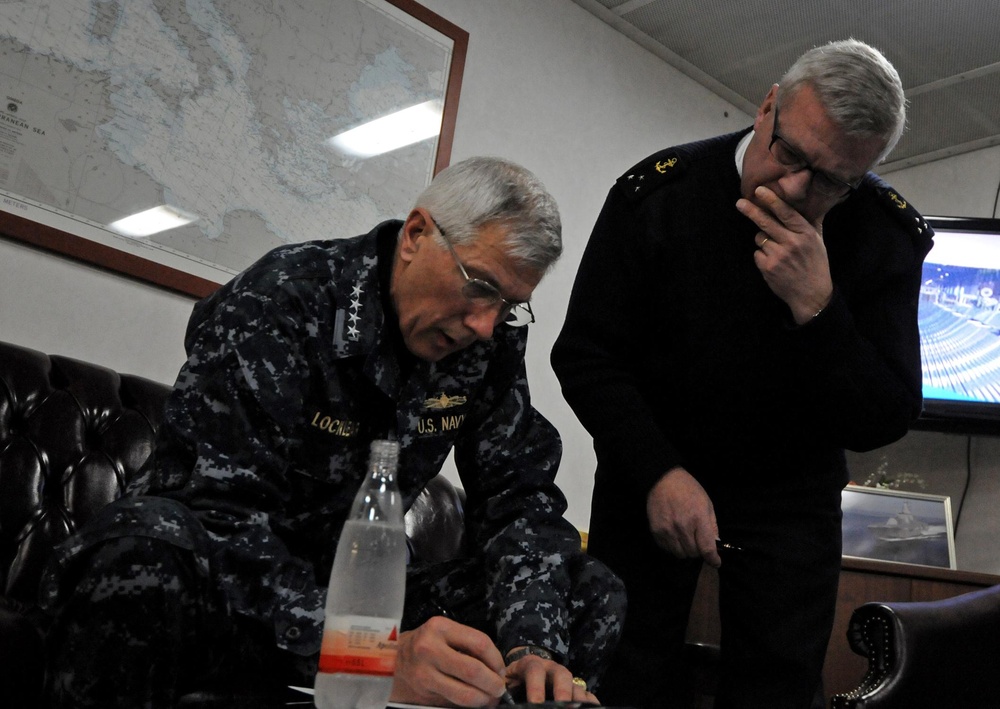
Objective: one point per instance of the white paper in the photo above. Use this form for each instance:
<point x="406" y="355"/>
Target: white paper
<point x="392" y="705"/>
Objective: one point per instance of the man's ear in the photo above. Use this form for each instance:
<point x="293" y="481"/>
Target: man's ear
<point x="766" y="107"/>
<point x="417" y="224"/>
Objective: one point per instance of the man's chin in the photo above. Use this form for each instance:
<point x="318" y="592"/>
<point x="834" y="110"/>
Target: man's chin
<point x="436" y="347"/>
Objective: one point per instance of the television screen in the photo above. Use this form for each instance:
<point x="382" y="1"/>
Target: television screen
<point x="959" y="317"/>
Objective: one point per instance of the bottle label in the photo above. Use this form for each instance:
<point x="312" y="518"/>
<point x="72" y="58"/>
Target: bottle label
<point x="359" y="644"/>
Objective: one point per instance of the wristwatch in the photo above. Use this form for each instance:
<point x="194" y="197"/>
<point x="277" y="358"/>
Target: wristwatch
<point x="515" y="655"/>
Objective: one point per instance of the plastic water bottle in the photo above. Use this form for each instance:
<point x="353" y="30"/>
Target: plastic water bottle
<point x="364" y="603"/>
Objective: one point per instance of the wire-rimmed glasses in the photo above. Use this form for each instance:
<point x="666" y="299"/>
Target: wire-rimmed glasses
<point x="485" y="294"/>
<point x="784" y="153"/>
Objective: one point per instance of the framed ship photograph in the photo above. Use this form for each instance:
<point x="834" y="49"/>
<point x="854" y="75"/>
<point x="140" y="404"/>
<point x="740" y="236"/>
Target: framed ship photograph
<point x="897" y="526"/>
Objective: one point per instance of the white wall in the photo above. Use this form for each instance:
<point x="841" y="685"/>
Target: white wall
<point x="60" y="306"/>
<point x="961" y="186"/>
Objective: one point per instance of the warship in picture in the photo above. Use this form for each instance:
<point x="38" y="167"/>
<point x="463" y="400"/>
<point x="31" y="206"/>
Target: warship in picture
<point x="905" y="527"/>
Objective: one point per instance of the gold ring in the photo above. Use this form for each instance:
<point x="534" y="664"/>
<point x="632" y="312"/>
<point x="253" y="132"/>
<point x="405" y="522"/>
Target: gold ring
<point x="580" y="683"/>
<point x="766" y="239"/>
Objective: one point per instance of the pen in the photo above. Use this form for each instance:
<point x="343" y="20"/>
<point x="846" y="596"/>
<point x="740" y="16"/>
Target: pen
<point x="506" y="697"/>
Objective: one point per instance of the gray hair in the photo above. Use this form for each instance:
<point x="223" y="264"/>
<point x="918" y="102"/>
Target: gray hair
<point x="479" y="191"/>
<point x="857" y="86"/>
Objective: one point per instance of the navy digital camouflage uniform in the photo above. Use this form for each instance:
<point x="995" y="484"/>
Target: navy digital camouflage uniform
<point x="293" y="368"/>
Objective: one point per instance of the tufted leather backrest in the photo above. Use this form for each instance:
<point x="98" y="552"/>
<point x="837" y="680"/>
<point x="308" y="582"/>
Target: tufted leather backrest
<point x="72" y="435"/>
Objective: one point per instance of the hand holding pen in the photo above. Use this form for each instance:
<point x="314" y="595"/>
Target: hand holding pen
<point x="443" y="662"/>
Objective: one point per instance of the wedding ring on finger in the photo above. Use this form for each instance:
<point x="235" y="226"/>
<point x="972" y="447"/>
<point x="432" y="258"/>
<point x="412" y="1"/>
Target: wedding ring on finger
<point x="580" y="683"/>
<point x="766" y="239"/>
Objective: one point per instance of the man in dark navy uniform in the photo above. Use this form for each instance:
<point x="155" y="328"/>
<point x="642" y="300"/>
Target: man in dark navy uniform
<point x="746" y="310"/>
<point x="212" y="571"/>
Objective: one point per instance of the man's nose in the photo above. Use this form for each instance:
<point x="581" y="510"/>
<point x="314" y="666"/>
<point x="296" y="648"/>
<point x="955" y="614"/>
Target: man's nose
<point x="481" y="321"/>
<point x="796" y="183"/>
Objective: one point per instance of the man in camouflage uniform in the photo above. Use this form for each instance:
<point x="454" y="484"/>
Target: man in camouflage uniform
<point x="212" y="572"/>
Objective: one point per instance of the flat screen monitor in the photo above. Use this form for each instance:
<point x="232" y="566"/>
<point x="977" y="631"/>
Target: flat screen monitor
<point x="959" y="317"/>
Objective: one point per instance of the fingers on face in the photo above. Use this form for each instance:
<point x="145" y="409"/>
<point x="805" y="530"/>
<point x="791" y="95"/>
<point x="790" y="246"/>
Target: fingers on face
<point x="758" y="214"/>
<point x="768" y="211"/>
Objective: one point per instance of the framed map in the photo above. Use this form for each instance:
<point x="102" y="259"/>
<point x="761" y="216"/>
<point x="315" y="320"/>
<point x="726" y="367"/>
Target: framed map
<point x="219" y="110"/>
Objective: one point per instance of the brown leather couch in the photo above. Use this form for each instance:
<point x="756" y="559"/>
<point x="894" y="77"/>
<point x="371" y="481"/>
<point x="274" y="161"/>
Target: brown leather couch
<point x="927" y="655"/>
<point x="72" y="435"/>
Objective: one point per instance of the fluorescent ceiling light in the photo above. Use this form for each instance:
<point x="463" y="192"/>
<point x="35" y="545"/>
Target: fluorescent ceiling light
<point x="411" y="125"/>
<point x="152" y="221"/>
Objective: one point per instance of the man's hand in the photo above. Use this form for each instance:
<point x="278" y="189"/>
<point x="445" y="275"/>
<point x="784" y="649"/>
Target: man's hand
<point x="682" y="517"/>
<point x="537" y="673"/>
<point x="446" y="663"/>
<point x="790" y="254"/>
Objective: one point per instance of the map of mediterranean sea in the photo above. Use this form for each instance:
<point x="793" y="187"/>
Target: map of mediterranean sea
<point x="217" y="108"/>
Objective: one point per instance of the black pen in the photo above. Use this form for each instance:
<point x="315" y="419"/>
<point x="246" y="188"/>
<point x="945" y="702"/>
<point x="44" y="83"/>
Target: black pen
<point x="506" y="697"/>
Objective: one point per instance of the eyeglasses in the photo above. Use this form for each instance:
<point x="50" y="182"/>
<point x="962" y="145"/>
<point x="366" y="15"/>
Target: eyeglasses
<point x="485" y="294"/>
<point x="825" y="183"/>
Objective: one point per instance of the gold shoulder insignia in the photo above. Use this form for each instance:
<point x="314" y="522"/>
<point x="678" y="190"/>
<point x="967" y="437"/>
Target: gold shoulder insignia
<point x="903" y="212"/>
<point x="663" y="166"/>
<point x="647" y="176"/>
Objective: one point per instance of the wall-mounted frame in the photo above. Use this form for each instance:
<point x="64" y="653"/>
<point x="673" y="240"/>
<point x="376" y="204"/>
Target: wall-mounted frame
<point x="219" y="110"/>
<point x="897" y="526"/>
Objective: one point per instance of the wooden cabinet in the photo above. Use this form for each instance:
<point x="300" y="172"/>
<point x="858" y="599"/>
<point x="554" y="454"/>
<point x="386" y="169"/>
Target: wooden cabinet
<point x="861" y="581"/>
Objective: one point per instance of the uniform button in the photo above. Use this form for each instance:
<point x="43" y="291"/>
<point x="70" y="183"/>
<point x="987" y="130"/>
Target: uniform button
<point x="293" y="633"/>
